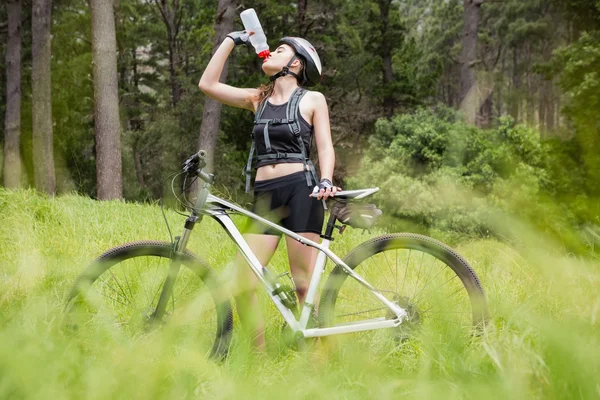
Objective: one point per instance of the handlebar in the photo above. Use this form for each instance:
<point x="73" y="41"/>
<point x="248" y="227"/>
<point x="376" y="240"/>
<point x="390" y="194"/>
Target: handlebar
<point x="194" y="166"/>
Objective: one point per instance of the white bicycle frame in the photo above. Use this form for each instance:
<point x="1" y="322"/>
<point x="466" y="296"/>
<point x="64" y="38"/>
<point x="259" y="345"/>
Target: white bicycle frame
<point x="219" y="213"/>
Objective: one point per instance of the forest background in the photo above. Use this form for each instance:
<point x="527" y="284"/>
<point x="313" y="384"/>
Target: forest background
<point x="460" y="111"/>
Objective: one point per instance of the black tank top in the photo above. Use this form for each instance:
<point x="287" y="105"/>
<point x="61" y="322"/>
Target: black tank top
<point x="281" y="138"/>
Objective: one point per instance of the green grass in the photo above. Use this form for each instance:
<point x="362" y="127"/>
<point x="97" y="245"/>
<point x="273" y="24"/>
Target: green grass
<point x="542" y="341"/>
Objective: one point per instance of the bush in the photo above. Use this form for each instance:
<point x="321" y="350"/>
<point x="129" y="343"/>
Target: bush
<point x="436" y="172"/>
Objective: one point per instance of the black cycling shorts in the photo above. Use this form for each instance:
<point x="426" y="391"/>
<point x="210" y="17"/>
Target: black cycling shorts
<point x="285" y="201"/>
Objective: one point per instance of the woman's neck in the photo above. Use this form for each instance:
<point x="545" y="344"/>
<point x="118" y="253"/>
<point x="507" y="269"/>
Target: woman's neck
<point x="283" y="89"/>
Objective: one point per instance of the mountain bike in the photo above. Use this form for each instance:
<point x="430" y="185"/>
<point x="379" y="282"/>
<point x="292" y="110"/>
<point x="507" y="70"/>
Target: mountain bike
<point x="392" y="286"/>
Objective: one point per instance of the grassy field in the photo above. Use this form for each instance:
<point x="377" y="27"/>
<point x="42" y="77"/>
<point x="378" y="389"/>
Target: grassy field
<point x="543" y="340"/>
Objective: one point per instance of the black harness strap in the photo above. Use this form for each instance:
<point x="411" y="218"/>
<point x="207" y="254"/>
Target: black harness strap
<point x="292" y="113"/>
<point x="259" y="113"/>
<point x="293" y="122"/>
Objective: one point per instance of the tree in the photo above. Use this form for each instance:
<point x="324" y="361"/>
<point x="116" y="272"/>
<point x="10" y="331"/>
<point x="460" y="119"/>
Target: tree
<point x="42" y="131"/>
<point x="171" y="14"/>
<point x="468" y="79"/>
<point x="106" y="101"/>
<point x="211" y="116"/>
<point x="387" y="43"/>
<point x="12" y="121"/>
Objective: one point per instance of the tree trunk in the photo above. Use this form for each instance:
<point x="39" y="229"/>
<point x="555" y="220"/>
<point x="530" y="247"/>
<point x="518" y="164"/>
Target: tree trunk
<point x="43" y="149"/>
<point x="389" y="103"/>
<point x="486" y="112"/>
<point x="136" y="122"/>
<point x="172" y="19"/>
<point x="301" y="20"/>
<point x="468" y="79"/>
<point x="139" y="168"/>
<point x="211" y="116"/>
<point x="547" y="96"/>
<point x="106" y="101"/>
<point x="531" y="89"/>
<point x="516" y="86"/>
<point x="550" y="108"/>
<point x="12" y="120"/>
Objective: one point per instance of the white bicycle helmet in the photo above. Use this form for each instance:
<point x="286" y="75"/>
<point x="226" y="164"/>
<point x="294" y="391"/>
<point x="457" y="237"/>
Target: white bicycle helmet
<point x="311" y="74"/>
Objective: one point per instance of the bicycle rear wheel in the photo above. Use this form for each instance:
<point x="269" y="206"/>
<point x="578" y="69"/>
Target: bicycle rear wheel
<point x="437" y="287"/>
<point x="121" y="288"/>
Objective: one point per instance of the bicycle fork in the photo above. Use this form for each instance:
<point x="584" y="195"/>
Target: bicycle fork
<point x="179" y="247"/>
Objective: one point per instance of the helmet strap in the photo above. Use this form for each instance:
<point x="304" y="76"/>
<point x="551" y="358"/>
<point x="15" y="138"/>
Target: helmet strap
<point x="286" y="71"/>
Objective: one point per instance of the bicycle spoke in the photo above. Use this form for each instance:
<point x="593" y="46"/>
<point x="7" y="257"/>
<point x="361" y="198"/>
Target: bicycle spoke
<point x="128" y="286"/>
<point x="362" y="312"/>
<point x="445" y="298"/>
<point x="446" y="312"/>
<point x="373" y="262"/>
<point x="396" y="273"/>
<point x="113" y="299"/>
<point x="419" y="275"/>
<point x="406" y="270"/>
<point x="352" y="300"/>
<point x="388" y="263"/>
<point x="145" y="292"/>
<point x="436" y="275"/>
<point x="118" y="284"/>
<point x="426" y="282"/>
<point x="183" y="290"/>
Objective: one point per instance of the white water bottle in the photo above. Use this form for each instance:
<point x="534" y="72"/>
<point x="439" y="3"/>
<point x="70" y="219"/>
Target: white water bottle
<point x="258" y="40"/>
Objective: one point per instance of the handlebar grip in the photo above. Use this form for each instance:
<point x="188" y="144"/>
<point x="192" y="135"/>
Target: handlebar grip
<point x="199" y="156"/>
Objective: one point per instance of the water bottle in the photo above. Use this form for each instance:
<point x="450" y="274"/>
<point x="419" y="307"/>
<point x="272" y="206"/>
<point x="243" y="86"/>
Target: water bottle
<point x="258" y="40"/>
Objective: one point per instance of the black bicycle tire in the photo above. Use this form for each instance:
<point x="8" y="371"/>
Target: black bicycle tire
<point x="423" y="243"/>
<point x="144" y="248"/>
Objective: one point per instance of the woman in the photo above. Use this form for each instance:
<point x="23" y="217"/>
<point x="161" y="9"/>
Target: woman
<point x="281" y="182"/>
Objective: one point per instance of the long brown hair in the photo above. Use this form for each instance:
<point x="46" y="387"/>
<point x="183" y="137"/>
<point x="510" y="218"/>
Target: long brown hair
<point x="265" y="91"/>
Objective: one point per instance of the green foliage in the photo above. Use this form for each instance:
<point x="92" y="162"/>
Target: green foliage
<point x="579" y="72"/>
<point x="439" y="173"/>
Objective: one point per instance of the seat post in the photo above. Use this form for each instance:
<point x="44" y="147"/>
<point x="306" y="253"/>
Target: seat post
<point x="330" y="223"/>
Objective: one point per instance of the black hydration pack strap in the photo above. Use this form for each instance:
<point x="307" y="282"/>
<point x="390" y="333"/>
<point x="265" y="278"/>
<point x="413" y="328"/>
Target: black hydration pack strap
<point x="292" y="120"/>
<point x="259" y="112"/>
<point x="292" y="113"/>
<point x="280" y="156"/>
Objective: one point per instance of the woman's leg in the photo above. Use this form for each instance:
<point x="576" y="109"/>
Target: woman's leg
<point x="302" y="262"/>
<point x="263" y="246"/>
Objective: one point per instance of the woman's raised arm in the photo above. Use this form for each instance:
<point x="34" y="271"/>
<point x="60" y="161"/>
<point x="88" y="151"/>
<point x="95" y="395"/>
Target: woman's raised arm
<point x="209" y="82"/>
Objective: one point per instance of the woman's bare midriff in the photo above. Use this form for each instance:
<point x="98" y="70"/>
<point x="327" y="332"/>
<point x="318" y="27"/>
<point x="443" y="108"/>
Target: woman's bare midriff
<point x="277" y="170"/>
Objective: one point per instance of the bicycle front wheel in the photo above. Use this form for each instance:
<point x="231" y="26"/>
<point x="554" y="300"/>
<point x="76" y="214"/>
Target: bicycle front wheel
<point x="122" y="287"/>
<point x="437" y="287"/>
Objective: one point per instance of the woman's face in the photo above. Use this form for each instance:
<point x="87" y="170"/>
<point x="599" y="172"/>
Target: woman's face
<point x="279" y="59"/>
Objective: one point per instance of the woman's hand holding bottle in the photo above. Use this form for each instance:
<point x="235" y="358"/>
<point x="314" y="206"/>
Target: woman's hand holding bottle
<point x="240" y="37"/>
